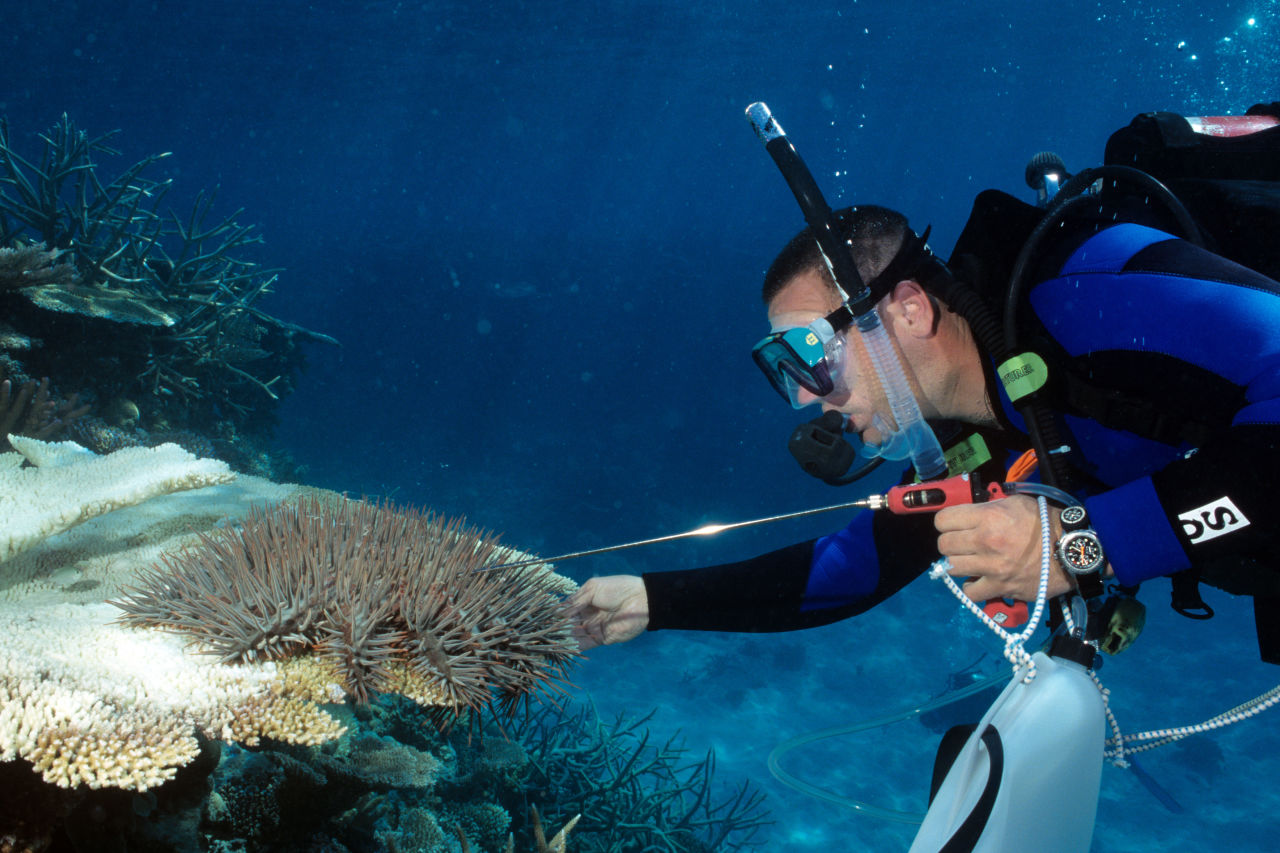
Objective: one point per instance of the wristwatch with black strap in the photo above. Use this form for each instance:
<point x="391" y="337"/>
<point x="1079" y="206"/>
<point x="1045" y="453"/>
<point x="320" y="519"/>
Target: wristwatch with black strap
<point x="1080" y="552"/>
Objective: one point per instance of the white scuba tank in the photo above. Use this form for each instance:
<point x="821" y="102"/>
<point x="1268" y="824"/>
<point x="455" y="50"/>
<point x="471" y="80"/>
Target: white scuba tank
<point x="1043" y="741"/>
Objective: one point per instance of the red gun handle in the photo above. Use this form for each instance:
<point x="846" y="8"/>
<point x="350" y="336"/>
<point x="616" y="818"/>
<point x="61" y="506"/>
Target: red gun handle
<point x="1007" y="612"/>
<point x="935" y="495"/>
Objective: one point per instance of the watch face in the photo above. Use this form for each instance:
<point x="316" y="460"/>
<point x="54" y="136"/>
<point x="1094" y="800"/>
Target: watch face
<point x="1072" y="516"/>
<point x="1081" y="552"/>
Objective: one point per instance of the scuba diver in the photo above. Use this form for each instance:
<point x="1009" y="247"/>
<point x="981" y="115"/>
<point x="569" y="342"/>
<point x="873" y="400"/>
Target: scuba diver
<point x="1160" y="414"/>
<point x="1095" y="341"/>
<point x="994" y="544"/>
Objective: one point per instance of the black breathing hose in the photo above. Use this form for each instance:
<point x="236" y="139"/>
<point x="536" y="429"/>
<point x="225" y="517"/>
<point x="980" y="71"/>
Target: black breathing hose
<point x="1041" y="424"/>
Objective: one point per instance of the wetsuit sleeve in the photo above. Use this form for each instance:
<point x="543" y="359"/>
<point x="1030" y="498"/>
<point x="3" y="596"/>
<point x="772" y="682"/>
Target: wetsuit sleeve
<point x="801" y="586"/>
<point x="1209" y="511"/>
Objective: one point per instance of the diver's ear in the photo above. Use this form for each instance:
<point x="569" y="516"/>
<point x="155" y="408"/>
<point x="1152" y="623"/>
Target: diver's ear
<point x="915" y="313"/>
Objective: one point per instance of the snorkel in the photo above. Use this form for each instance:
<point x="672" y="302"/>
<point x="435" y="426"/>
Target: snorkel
<point x="913" y="439"/>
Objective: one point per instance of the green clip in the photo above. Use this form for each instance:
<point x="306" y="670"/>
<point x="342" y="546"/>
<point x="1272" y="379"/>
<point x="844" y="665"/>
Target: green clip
<point x="1023" y="375"/>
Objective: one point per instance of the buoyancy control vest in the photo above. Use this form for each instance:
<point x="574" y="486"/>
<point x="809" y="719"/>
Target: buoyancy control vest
<point x="1226" y="190"/>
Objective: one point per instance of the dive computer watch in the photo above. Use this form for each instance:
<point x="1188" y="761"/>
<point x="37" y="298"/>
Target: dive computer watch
<point x="1080" y="551"/>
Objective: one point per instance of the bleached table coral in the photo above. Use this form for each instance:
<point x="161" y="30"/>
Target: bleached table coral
<point x="65" y="485"/>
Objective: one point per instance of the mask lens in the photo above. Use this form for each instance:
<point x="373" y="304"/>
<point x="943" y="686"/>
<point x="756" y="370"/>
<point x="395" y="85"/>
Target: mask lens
<point x="792" y="359"/>
<point x="816" y="380"/>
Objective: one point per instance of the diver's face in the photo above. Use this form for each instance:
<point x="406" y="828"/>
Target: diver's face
<point x="806" y="298"/>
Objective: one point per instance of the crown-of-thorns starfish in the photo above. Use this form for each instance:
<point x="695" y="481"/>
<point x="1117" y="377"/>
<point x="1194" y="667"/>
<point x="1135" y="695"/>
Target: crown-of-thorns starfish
<point x="388" y="597"/>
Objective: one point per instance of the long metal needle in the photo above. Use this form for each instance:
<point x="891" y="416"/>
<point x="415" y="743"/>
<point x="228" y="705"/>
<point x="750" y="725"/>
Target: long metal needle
<point x="704" y="530"/>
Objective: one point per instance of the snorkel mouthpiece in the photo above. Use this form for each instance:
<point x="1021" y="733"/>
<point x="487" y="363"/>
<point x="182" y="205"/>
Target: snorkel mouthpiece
<point x="922" y="445"/>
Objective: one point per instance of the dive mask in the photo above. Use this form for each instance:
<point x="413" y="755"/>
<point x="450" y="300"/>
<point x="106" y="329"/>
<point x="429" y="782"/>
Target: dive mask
<point x="804" y="357"/>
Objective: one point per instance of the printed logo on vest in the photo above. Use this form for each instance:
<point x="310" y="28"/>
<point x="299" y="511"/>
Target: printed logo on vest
<point x="1212" y="520"/>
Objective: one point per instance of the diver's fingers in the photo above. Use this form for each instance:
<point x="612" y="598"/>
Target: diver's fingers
<point x="981" y="589"/>
<point x="970" y="565"/>
<point x="575" y="607"/>
<point x="590" y="632"/>
<point x="962" y="517"/>
<point x="978" y="580"/>
<point x="957" y="543"/>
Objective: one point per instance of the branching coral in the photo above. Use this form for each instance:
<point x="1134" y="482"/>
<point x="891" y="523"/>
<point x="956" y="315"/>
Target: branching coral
<point x="389" y="599"/>
<point x="629" y="792"/>
<point x="191" y="340"/>
<point x="31" y="411"/>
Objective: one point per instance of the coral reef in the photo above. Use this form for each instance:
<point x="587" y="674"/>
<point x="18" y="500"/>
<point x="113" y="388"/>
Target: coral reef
<point x="394" y="783"/>
<point x="86" y="701"/>
<point x="389" y="599"/>
<point x="91" y="702"/>
<point x="114" y="296"/>
<point x="629" y="793"/>
<point x="491" y="789"/>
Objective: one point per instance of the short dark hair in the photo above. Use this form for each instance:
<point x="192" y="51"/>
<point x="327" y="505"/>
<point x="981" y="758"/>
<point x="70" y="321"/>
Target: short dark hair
<point x="874" y="235"/>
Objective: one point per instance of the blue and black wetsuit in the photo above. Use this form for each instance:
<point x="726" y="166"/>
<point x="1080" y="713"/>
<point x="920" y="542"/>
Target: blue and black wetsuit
<point x="1131" y="309"/>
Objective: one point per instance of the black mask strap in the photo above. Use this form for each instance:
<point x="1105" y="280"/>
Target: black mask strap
<point x="914" y="260"/>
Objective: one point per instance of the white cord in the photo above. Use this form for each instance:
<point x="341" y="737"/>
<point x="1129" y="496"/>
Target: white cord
<point x="1118" y="745"/>
<point x="1014" y="644"/>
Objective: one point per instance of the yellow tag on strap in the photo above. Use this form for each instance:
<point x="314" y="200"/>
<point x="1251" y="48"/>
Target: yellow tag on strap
<point x="1022" y="375"/>
<point x="967" y="455"/>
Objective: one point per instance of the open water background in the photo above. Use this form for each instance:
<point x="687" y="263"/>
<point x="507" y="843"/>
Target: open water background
<point x="538" y="229"/>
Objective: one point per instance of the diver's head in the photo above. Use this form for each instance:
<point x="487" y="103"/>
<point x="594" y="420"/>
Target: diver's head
<point x="874" y="235"/>
<point x="809" y="362"/>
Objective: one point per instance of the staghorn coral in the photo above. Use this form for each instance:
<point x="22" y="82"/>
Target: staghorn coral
<point x="389" y="599"/>
<point x="627" y="792"/>
<point x="169" y="301"/>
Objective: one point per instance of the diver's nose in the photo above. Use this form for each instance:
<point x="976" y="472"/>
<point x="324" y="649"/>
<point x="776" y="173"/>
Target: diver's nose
<point x="804" y="397"/>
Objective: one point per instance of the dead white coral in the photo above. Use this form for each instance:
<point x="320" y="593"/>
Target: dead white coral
<point x="89" y="702"/>
<point x="67" y="485"/>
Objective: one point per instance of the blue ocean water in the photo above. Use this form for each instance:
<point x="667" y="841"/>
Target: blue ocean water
<point x="538" y="231"/>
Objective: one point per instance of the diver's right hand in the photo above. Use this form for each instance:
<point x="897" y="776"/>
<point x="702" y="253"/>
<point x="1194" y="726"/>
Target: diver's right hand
<point x="608" y="610"/>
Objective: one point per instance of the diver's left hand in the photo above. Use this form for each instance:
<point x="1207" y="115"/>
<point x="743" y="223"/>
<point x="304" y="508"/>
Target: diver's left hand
<point x="997" y="545"/>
